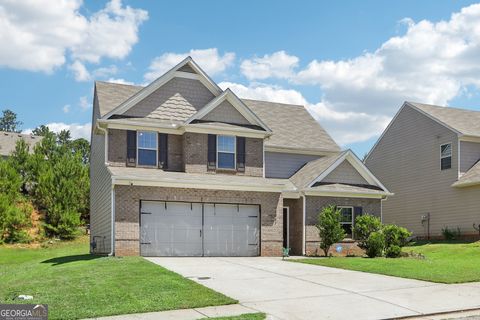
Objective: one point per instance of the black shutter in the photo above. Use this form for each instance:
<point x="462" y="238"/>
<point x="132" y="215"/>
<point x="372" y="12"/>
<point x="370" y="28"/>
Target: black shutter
<point x="212" y="152"/>
<point x="241" y="154"/>
<point x="131" y="148"/>
<point x="163" y="151"/>
<point x="357" y="212"/>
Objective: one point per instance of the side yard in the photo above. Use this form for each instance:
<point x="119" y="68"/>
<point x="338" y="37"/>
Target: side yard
<point x="443" y="262"/>
<point x="77" y="285"/>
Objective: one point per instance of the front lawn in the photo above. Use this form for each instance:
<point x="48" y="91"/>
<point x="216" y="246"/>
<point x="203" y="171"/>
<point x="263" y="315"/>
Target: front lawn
<point x="77" y="285"/>
<point x="453" y="262"/>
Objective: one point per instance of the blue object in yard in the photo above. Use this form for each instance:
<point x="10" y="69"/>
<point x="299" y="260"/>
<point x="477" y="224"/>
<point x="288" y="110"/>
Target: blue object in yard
<point x="339" y="249"/>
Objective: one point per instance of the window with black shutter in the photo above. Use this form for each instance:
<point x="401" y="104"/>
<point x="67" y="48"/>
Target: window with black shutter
<point x="212" y="152"/>
<point x="163" y="151"/>
<point x="241" y="154"/>
<point x="131" y="148"/>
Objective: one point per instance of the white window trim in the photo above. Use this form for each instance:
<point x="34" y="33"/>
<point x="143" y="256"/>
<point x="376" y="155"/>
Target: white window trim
<point x="443" y="157"/>
<point x="156" y="150"/>
<point x="234" y="152"/>
<point x="353" y="217"/>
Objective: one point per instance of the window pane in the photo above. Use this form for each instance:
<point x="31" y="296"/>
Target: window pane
<point x="147" y="140"/>
<point x="347" y="215"/>
<point x="226" y="144"/>
<point x="226" y="160"/>
<point x="446" y="150"/>
<point x="147" y="157"/>
<point x="446" y="163"/>
<point x="348" y="230"/>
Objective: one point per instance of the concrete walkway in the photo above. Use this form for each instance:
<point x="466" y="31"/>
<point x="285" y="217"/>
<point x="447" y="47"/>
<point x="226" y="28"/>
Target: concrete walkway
<point x="287" y="290"/>
<point x="185" y="314"/>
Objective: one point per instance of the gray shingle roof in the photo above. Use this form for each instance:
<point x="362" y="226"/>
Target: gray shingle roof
<point x="292" y="125"/>
<point x="8" y="140"/>
<point x="110" y="95"/>
<point x="464" y="121"/>
<point x="469" y="178"/>
<point x="311" y="170"/>
<point x="198" y="180"/>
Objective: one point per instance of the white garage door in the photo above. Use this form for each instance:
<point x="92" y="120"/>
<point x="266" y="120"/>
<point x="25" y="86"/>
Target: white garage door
<point x="195" y="229"/>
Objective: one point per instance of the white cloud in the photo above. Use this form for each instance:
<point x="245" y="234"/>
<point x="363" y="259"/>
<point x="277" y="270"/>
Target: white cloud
<point x="83" y="103"/>
<point x="76" y="130"/>
<point x="66" y="108"/>
<point x="345" y="127"/>
<point x="433" y="62"/>
<point x="120" y="81"/>
<point x="278" y="65"/>
<point x="208" y="59"/>
<point x="80" y="71"/>
<point x="38" y="35"/>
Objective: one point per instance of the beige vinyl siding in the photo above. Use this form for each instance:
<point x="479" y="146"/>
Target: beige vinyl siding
<point x="100" y="194"/>
<point x="345" y="173"/>
<point x="225" y="112"/>
<point x="284" y="165"/>
<point x="407" y="161"/>
<point x="469" y="155"/>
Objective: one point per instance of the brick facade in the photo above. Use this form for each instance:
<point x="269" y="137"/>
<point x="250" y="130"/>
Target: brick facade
<point x="315" y="204"/>
<point x="195" y="148"/>
<point x="127" y="206"/>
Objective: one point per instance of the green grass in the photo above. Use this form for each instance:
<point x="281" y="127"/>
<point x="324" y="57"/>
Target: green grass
<point x="247" y="316"/>
<point x="77" y="285"/>
<point x="453" y="262"/>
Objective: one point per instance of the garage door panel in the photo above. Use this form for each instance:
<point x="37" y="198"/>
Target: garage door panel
<point x="231" y="230"/>
<point x="171" y="229"/>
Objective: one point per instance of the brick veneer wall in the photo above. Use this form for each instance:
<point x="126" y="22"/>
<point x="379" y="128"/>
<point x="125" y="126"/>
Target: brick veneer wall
<point x="127" y="205"/>
<point x="315" y="204"/>
<point x="195" y="150"/>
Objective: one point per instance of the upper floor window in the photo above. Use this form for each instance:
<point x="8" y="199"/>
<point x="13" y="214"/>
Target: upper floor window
<point x="226" y="152"/>
<point x="147" y="148"/>
<point x="446" y="156"/>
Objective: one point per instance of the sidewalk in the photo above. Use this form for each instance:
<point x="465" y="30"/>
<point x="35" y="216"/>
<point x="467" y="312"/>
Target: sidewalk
<point x="186" y="314"/>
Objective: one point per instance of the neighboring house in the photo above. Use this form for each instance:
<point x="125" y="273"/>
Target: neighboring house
<point x="183" y="168"/>
<point x="8" y="141"/>
<point x="429" y="158"/>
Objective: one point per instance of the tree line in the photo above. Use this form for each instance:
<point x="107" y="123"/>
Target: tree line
<point x="53" y="178"/>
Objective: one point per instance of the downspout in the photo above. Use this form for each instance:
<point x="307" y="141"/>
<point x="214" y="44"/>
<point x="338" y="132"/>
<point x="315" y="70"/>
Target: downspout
<point x="304" y="245"/>
<point x="112" y="195"/>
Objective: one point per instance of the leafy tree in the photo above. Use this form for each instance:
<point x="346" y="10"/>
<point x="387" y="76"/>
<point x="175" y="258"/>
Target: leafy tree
<point x="42" y="131"/>
<point x="82" y="147"/>
<point x="329" y="228"/>
<point x="63" y="191"/>
<point x="19" y="160"/>
<point x="10" y="181"/>
<point x="64" y="137"/>
<point x="375" y="244"/>
<point x="9" y="122"/>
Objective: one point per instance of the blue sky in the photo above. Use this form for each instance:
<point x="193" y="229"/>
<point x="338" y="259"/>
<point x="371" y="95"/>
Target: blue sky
<point x="351" y="63"/>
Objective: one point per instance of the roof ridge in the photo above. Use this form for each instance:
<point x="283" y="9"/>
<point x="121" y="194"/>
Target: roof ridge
<point x="280" y="103"/>
<point x="442" y="107"/>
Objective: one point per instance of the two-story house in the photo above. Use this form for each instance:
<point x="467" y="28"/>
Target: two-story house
<point x="428" y="157"/>
<point x="181" y="167"/>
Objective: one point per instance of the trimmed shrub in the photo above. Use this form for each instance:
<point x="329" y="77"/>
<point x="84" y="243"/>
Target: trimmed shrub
<point x="375" y="244"/>
<point x="329" y="228"/>
<point x="451" y="234"/>
<point x="393" y="251"/>
<point x="395" y="235"/>
<point x="364" y="226"/>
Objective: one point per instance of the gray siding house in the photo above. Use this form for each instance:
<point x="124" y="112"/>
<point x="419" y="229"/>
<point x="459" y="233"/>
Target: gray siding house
<point x="182" y="168"/>
<point x="429" y="158"/>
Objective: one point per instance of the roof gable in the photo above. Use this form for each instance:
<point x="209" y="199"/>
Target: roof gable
<point x="227" y="113"/>
<point x="188" y="65"/>
<point x="236" y="103"/>
<point x="345" y="173"/>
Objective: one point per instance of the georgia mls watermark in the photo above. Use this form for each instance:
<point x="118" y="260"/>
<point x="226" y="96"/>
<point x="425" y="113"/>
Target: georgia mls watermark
<point x="23" y="312"/>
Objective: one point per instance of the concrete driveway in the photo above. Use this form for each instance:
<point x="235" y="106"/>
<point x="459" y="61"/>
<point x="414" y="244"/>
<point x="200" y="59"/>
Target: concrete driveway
<point x="287" y="290"/>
